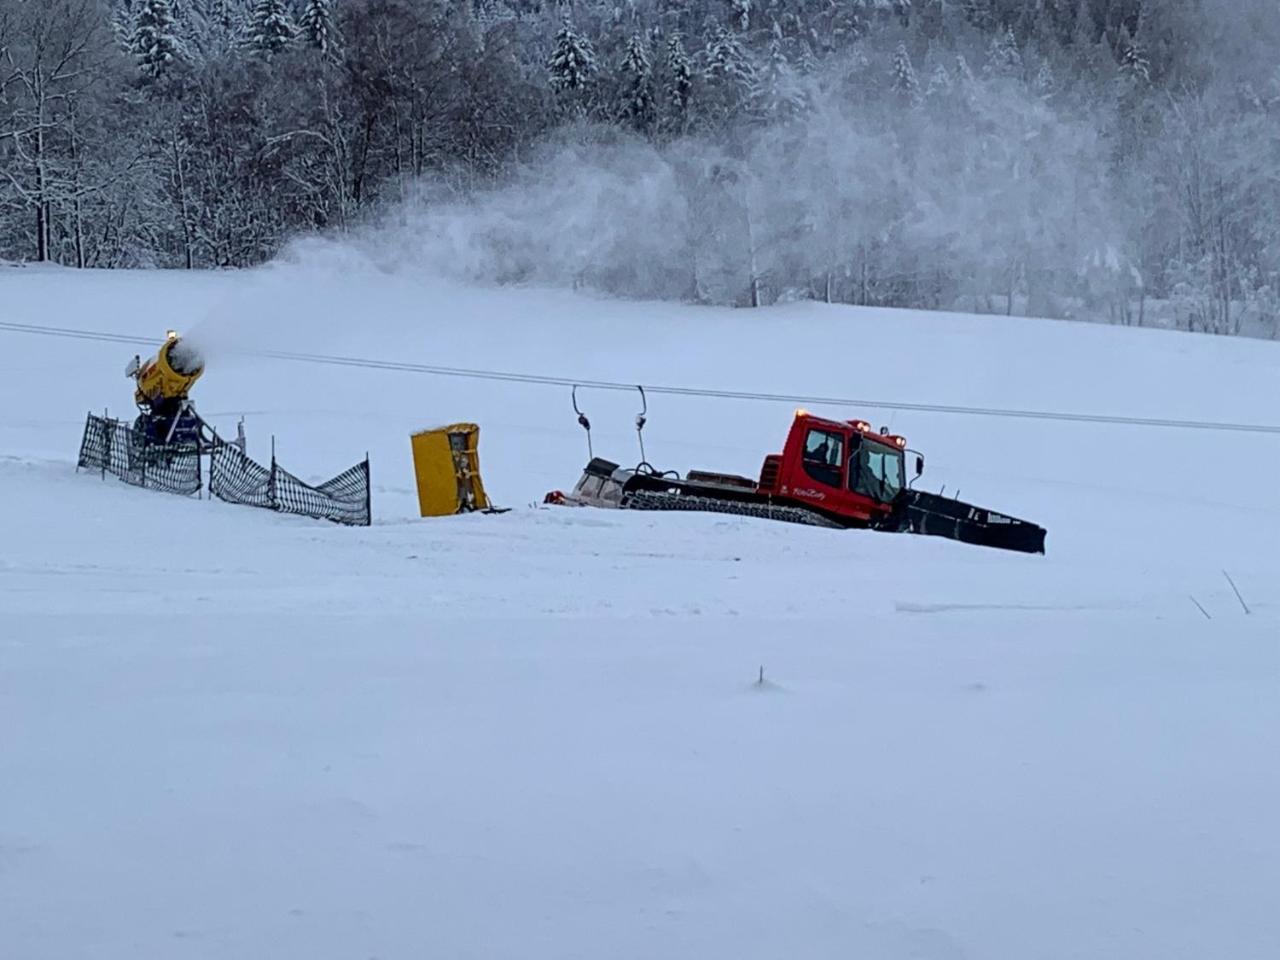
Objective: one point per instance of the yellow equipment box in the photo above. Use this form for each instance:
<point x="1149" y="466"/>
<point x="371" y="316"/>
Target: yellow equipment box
<point x="446" y="462"/>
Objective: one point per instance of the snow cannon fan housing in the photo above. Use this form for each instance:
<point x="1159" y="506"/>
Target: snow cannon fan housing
<point x="169" y="375"/>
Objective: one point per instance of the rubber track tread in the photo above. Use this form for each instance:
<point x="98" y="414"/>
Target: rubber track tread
<point x="645" y="500"/>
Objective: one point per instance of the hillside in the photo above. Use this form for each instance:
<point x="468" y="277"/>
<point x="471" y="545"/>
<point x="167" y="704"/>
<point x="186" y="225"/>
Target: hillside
<point x="540" y="734"/>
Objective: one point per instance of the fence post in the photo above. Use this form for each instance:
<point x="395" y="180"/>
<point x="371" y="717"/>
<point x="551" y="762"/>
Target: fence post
<point x="82" y="440"/>
<point x="271" y="478"/>
<point x="106" y="445"/>
<point x="368" y="494"/>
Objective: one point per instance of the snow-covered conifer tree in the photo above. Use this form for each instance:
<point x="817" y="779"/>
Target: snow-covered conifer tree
<point x="940" y="84"/>
<point x="778" y="94"/>
<point x="904" y="82"/>
<point x="270" y="28"/>
<point x="679" y="78"/>
<point x="636" y="106"/>
<point x="211" y="29"/>
<point x="1134" y="65"/>
<point x="573" y="61"/>
<point x="727" y="64"/>
<point x="154" y="42"/>
<point x="965" y="84"/>
<point x="1044" y="82"/>
<point x="807" y="63"/>
<point x="728" y="76"/>
<point x="317" y="25"/>
<point x="1003" y="56"/>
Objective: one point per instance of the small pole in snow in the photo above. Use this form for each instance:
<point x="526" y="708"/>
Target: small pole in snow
<point x="271" y="477"/>
<point x="1200" y="608"/>
<point x="1243" y="605"/>
<point x="760" y="682"/>
<point x="368" y="493"/>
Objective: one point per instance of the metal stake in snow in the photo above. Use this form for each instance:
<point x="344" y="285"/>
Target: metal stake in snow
<point x="1201" y="609"/>
<point x="583" y="422"/>
<point x="641" y="419"/>
<point x="1243" y="605"/>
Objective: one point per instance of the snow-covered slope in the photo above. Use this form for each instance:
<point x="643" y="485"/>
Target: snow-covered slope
<point x="231" y="734"/>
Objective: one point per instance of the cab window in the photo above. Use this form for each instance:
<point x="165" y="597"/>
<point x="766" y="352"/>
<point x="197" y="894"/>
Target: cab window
<point x="824" y="457"/>
<point x="876" y="471"/>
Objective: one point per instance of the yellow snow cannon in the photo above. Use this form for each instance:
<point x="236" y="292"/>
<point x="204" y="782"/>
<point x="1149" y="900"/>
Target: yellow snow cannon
<point x="169" y="375"/>
<point x="163" y="384"/>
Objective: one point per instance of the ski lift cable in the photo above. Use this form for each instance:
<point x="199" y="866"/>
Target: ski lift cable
<point x="669" y="390"/>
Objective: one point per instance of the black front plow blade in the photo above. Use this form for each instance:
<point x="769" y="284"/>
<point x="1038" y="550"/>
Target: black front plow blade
<point x="936" y="516"/>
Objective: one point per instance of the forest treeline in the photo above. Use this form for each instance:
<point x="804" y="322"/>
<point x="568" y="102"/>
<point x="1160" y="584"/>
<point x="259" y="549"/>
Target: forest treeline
<point x="1114" y="159"/>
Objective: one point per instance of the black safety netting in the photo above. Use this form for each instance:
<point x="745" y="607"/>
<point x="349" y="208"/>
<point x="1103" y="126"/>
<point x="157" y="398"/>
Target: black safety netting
<point x="124" y="451"/>
<point x="344" y="499"/>
<point x="118" y="448"/>
<point x="237" y="478"/>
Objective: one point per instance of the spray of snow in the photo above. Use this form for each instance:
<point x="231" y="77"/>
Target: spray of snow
<point x="982" y="178"/>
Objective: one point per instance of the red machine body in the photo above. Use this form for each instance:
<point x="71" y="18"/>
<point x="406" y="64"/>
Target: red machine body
<point x="831" y="473"/>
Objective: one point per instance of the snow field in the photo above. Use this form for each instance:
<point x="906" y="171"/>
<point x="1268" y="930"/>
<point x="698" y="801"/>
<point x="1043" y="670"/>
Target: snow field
<point x="231" y="733"/>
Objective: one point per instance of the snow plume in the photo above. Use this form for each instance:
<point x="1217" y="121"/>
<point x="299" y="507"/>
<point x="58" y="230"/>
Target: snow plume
<point x="609" y="213"/>
<point x="978" y="193"/>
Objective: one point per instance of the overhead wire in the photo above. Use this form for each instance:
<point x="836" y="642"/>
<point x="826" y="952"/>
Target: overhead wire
<point x="670" y="390"/>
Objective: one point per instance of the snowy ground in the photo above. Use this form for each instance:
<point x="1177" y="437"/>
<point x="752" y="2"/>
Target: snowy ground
<point x="233" y="734"/>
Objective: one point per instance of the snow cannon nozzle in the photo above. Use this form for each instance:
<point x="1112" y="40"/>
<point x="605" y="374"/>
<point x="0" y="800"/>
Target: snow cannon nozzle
<point x="184" y="356"/>
<point x="167" y="377"/>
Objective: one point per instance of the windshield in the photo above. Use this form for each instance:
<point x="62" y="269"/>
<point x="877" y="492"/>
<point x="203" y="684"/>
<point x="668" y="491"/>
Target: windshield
<point x="876" y="471"/>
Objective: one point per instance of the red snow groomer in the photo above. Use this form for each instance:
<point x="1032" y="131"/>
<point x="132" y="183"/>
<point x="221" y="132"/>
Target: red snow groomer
<point x="831" y="473"/>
